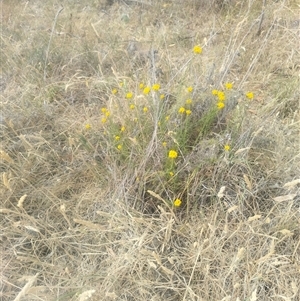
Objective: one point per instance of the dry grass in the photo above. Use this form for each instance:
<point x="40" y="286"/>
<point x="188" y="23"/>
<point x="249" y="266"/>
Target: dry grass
<point x="82" y="220"/>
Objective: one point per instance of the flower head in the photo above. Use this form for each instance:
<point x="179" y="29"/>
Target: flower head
<point x="141" y="85"/>
<point x="227" y="147"/>
<point x="129" y="95"/>
<point x="156" y="87"/>
<point x="189" y="89"/>
<point x="164" y="144"/>
<point x="173" y="154"/>
<point x="181" y="110"/>
<point x="214" y="92"/>
<point x="119" y="146"/>
<point x="104" y="110"/>
<point x="162" y="96"/>
<point x="197" y="49"/>
<point x="228" y="86"/>
<point x="132" y="106"/>
<point x="177" y="203"/>
<point x="145" y="109"/>
<point x="123" y="128"/>
<point x="250" y="95"/>
<point x="221" y="96"/>
<point x="103" y="120"/>
<point x="188" y="112"/>
<point x="220" y="105"/>
<point x="146" y="90"/>
<point x="88" y="126"/>
<point x="188" y="101"/>
<point x="171" y="173"/>
<point x="114" y="91"/>
<point x="117" y="137"/>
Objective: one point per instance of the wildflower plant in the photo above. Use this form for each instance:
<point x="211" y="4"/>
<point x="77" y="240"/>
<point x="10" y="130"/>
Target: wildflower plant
<point x="137" y="121"/>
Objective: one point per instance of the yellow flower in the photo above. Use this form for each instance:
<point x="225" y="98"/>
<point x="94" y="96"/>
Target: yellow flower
<point x="117" y="137"/>
<point x="167" y="117"/>
<point x="171" y="173"/>
<point x="88" y="126"/>
<point x="197" y="49"/>
<point x="103" y="110"/>
<point x="129" y="95"/>
<point x="164" y="144"/>
<point x="228" y="86"/>
<point x="107" y="113"/>
<point x="189" y="89"/>
<point x="103" y="120"/>
<point x="188" y="101"/>
<point x="220" y="105"/>
<point x="221" y="96"/>
<point x="173" y="154"/>
<point x="162" y="96"/>
<point x="119" y="147"/>
<point x="188" y="112"/>
<point x="250" y="95"/>
<point x="156" y="87"/>
<point x="114" y="91"/>
<point x="145" y="109"/>
<point x="181" y="110"/>
<point x="121" y="84"/>
<point x="141" y="85"/>
<point x="146" y="90"/>
<point x="227" y="147"/>
<point x="123" y="128"/>
<point x="132" y="106"/>
<point x="177" y="203"/>
<point x="214" y="92"/>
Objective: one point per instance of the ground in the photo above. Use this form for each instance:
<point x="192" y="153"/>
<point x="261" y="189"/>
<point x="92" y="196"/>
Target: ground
<point x="150" y="150"/>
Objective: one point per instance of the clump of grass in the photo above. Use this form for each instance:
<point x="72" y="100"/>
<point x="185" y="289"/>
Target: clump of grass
<point x="155" y="159"/>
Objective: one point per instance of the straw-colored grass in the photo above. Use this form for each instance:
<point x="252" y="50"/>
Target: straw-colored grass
<point x="110" y="191"/>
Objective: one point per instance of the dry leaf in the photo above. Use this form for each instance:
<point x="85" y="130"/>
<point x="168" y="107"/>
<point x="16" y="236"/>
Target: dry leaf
<point x="152" y="264"/>
<point x="232" y="208"/>
<point x="62" y="208"/>
<point x="4" y="210"/>
<point x="5" y="156"/>
<point x="21" y="201"/>
<point x="30" y="228"/>
<point x="156" y="195"/>
<point x="6" y="181"/>
<point x="253" y="218"/>
<point x="241" y="150"/>
<point x="283" y="198"/>
<point x="295" y="288"/>
<point x="167" y="271"/>
<point x="240" y="253"/>
<point x="221" y="192"/>
<point x="86" y="295"/>
<point x="112" y="295"/>
<point x="157" y="258"/>
<point x="88" y="224"/>
<point x="27" y="286"/>
<point x="253" y="296"/>
<point x="286" y="232"/>
<point x="291" y="184"/>
<point x="248" y="182"/>
<point x="171" y="260"/>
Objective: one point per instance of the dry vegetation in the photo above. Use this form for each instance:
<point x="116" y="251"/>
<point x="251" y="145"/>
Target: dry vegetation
<point x="87" y="208"/>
